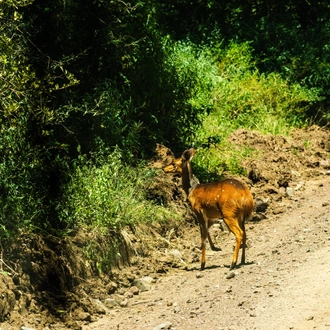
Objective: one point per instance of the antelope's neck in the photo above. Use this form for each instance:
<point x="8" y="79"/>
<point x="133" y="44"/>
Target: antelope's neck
<point x="193" y="183"/>
<point x="189" y="181"/>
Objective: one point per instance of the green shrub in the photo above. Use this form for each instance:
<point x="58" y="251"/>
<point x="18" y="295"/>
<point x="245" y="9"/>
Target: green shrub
<point x="196" y="72"/>
<point x="265" y="102"/>
<point x="110" y="195"/>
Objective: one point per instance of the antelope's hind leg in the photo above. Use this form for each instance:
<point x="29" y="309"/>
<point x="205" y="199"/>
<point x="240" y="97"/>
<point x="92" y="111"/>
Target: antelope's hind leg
<point x="239" y="235"/>
<point x="213" y="247"/>
<point x="243" y="244"/>
<point x="209" y="225"/>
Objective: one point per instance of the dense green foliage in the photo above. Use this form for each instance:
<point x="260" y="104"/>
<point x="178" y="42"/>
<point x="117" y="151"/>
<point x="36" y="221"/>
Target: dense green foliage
<point x="109" y="195"/>
<point x="287" y="37"/>
<point x="88" y="88"/>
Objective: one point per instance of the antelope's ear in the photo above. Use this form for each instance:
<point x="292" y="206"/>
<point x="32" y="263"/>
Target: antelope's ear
<point x="188" y="154"/>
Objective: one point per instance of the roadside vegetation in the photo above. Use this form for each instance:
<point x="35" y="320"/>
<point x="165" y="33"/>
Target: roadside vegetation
<point x="88" y="89"/>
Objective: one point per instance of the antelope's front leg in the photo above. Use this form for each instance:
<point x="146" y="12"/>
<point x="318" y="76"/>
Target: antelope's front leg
<point x="204" y="234"/>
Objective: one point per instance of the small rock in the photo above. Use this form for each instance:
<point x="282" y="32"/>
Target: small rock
<point x="258" y="217"/>
<point x="177" y="309"/>
<point x="129" y="294"/>
<point x="199" y="275"/>
<point x="99" y="307"/>
<point x="260" y="205"/>
<point x="142" y="284"/>
<point x="26" y="328"/>
<point x="111" y="302"/>
<point x="163" y="326"/>
<point x="118" y="297"/>
<point x="229" y="289"/>
<point x="111" y="287"/>
<point x="279" y="210"/>
<point x="80" y="314"/>
<point x="176" y="254"/>
<point x="124" y="303"/>
<point x="230" y="275"/>
<point x="310" y="318"/>
<point x="134" y="290"/>
<point x="290" y="191"/>
<point x="325" y="164"/>
<point x="148" y="279"/>
<point x="299" y="185"/>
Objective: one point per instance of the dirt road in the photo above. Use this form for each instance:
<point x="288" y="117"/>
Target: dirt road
<point x="285" y="285"/>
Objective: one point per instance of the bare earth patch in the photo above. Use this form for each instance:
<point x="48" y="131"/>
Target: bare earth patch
<point x="285" y="283"/>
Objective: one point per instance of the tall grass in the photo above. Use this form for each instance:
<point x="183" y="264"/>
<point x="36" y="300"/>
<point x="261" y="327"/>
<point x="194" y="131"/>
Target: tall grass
<point x="110" y="195"/>
<point x="194" y="66"/>
<point x="247" y="98"/>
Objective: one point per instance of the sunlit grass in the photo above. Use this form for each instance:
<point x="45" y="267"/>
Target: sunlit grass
<point x="111" y="195"/>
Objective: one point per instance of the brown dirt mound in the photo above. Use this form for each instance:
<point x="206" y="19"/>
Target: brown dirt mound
<point x="281" y="162"/>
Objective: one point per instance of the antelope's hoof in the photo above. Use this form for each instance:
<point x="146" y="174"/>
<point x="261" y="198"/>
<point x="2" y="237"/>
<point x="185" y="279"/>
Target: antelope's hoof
<point x="233" y="265"/>
<point x="214" y="248"/>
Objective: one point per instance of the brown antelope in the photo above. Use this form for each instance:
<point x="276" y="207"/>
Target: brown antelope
<point x="228" y="199"/>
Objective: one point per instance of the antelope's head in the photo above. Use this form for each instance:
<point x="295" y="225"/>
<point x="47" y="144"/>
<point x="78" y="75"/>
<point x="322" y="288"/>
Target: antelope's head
<point x="179" y="163"/>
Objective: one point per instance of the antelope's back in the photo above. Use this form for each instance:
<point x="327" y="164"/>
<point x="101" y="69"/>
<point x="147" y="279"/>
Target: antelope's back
<point x="229" y="197"/>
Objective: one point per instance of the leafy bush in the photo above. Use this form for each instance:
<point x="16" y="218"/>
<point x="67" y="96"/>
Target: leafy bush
<point x="265" y="102"/>
<point x="21" y="188"/>
<point x="290" y="38"/>
<point x="245" y="98"/>
<point x="110" y="195"/>
<point x="196" y="72"/>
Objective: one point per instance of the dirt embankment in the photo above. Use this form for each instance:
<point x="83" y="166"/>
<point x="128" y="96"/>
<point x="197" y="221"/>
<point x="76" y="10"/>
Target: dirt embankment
<point x="284" y="285"/>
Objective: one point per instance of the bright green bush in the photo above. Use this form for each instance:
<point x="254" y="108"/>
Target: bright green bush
<point x="110" y="195"/>
<point x="196" y="72"/>
<point x="265" y="102"/>
<point x="246" y="98"/>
